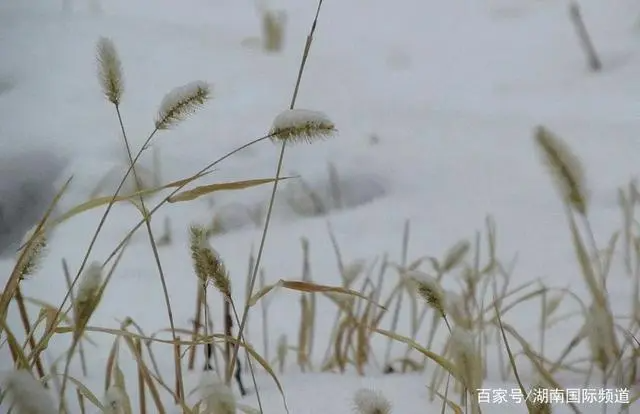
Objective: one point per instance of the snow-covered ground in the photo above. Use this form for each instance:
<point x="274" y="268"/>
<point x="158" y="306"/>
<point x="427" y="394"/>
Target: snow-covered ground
<point x="452" y="89"/>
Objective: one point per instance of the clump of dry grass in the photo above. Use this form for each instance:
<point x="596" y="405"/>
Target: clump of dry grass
<point x="273" y="30"/>
<point x="363" y="310"/>
<point x="368" y="307"/>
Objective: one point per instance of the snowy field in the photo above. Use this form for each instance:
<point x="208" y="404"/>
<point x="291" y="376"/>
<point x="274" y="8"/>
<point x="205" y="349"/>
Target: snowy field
<point x="435" y="102"/>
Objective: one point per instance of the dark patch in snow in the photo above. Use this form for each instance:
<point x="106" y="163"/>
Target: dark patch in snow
<point x="332" y="192"/>
<point x="27" y="187"/>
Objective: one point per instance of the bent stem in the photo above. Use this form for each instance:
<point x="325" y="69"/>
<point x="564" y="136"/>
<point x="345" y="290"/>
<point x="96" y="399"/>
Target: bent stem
<point x="185" y="182"/>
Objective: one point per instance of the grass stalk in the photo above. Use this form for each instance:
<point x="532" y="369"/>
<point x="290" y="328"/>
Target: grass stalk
<point x="254" y="276"/>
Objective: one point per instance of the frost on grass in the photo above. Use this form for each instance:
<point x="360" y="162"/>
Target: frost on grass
<point x="429" y="289"/>
<point x="35" y="253"/>
<point x="181" y="103"/>
<point x="295" y="125"/>
<point x="88" y="295"/>
<point x="27" y="394"/>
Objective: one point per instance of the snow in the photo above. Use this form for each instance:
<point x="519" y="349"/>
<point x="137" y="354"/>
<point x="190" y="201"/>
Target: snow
<point x="301" y="123"/>
<point x="451" y="89"/>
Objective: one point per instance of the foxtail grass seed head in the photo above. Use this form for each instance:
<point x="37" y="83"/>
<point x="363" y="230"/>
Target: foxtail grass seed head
<point x="182" y="102"/>
<point x="301" y="125"/>
<point x="429" y="289"/>
<point x="215" y="396"/>
<point x="455" y="256"/>
<point x="27" y="394"/>
<point x="553" y="303"/>
<point x="88" y="295"/>
<point x="36" y="253"/>
<point x="216" y="270"/>
<point x="366" y="401"/>
<point x="115" y="401"/>
<point x="110" y="71"/>
<point x="466" y="358"/>
<point x="565" y="167"/>
<point x="207" y="263"/>
<point x="196" y="235"/>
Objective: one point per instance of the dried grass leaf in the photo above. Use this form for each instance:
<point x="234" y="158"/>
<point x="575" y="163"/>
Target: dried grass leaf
<point x="309" y="287"/>
<point x="197" y="192"/>
<point x="438" y="359"/>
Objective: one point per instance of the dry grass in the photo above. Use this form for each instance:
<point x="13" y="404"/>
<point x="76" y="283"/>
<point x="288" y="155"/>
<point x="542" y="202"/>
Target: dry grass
<point x="449" y="335"/>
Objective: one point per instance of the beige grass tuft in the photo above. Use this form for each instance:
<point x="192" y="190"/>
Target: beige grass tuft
<point x="110" y="71"/>
<point x="565" y="167"/>
<point x="36" y="253"/>
<point x="207" y="263"/>
<point x="88" y="296"/>
<point x="429" y="289"/>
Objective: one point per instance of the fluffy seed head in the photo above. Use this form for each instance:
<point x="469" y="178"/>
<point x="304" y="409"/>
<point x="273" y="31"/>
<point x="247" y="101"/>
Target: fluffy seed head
<point x="565" y="169"/>
<point x="207" y="263"/>
<point x="110" y="71"/>
<point x="466" y="358"/>
<point x="601" y="336"/>
<point x="36" y="252"/>
<point x="27" y="394"/>
<point x="89" y="283"/>
<point x="88" y="295"/>
<point x="370" y="402"/>
<point x="216" y="269"/>
<point x="455" y="255"/>
<point x="429" y="289"/>
<point x="215" y="396"/>
<point x="295" y="125"/>
<point x="182" y="102"/>
<point x="196" y="234"/>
